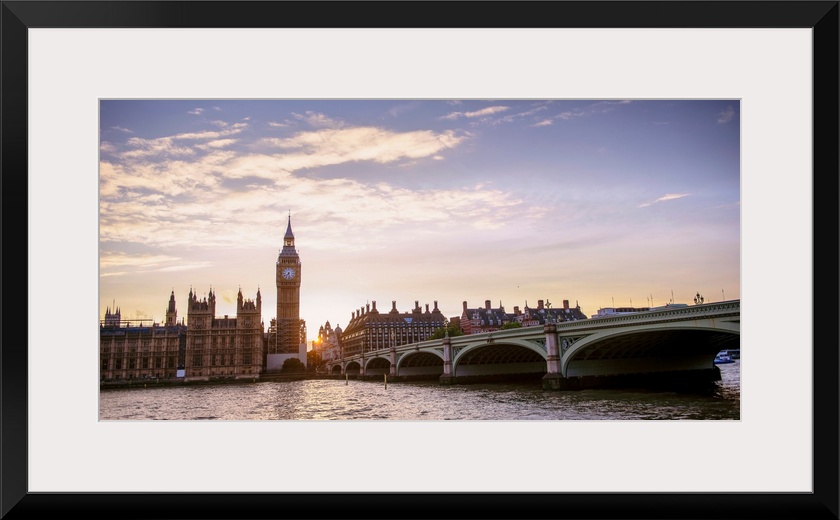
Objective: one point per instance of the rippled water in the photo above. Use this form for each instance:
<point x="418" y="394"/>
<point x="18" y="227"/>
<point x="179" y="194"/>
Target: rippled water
<point x="366" y="400"/>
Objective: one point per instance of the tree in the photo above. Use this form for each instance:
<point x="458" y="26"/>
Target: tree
<point x="293" y="365"/>
<point x="313" y="359"/>
<point x="453" y="331"/>
<point x="511" y="325"/>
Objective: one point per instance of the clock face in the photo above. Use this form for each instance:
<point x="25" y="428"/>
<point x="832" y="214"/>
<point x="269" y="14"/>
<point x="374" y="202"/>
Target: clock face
<point x="288" y="273"/>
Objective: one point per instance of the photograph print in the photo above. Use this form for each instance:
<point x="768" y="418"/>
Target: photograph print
<point x="419" y="259"/>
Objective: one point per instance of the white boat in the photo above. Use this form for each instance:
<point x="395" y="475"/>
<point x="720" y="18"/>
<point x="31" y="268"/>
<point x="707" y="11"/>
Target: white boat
<point x="723" y="357"/>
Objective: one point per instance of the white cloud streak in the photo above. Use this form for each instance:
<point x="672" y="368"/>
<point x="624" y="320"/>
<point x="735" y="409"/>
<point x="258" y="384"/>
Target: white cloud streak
<point x="664" y="198"/>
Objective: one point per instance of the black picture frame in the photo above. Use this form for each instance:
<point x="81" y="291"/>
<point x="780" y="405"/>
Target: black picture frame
<point x="19" y="16"/>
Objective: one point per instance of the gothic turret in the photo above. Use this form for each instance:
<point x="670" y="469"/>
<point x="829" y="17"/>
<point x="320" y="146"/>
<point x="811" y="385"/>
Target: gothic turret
<point x="171" y="312"/>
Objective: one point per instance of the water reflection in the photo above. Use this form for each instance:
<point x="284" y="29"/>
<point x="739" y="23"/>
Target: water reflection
<point x="317" y="400"/>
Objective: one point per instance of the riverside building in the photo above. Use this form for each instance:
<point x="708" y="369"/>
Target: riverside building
<point x="487" y="319"/>
<point x="370" y="330"/>
<point x="206" y="346"/>
<point x="141" y="349"/>
<point x="223" y="347"/>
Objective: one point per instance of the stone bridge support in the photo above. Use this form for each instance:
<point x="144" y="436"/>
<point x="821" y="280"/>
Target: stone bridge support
<point x="392" y="352"/>
<point x="553" y="379"/>
<point x="447" y="378"/>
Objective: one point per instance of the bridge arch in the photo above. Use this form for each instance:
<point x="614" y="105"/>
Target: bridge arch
<point x="511" y="356"/>
<point x="649" y="348"/>
<point x="420" y="363"/>
<point x="377" y="366"/>
<point x="352" y="368"/>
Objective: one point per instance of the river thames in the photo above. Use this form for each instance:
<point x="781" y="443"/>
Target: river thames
<point x="335" y="399"/>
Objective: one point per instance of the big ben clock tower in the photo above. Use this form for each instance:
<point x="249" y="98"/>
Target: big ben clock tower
<point x="288" y="295"/>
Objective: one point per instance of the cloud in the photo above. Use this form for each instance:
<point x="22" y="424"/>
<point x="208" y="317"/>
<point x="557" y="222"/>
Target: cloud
<point x="600" y="107"/>
<point x="337" y="146"/>
<point x="544" y="122"/>
<point x="665" y="198"/>
<point x="726" y="116"/>
<point x="170" y="147"/>
<point x="317" y="120"/>
<point x="121" y="129"/>
<point x="155" y="147"/>
<point x="196" y="112"/>
<point x="192" y="191"/>
<point x="202" y="212"/>
<point x="217" y="143"/>
<point x="484" y="112"/>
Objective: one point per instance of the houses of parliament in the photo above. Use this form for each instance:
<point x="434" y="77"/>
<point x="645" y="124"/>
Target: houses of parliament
<point x="207" y="346"/>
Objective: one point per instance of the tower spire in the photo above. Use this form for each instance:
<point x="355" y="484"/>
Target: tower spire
<point x="289" y="233"/>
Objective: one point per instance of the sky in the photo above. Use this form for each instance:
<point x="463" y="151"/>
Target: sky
<point x="603" y="203"/>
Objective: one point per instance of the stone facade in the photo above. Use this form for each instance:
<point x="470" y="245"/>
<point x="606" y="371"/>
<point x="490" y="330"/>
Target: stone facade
<point x="141" y="349"/>
<point x="369" y="330"/>
<point x="224" y="347"/>
<point x="289" y="327"/>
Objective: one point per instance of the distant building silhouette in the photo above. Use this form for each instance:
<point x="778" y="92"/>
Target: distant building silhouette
<point x="487" y="319"/>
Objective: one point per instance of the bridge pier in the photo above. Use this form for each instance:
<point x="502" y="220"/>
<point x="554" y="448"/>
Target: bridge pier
<point x="553" y="379"/>
<point x="447" y="378"/>
<point x="393" y="356"/>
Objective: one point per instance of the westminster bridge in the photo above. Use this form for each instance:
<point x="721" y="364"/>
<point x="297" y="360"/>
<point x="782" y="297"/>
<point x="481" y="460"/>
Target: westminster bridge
<point x="674" y="344"/>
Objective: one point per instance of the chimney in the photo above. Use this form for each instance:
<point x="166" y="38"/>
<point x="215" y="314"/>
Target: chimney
<point x="487" y="304"/>
<point x="539" y="305"/>
<point x="427" y="307"/>
<point x="435" y="305"/>
<point x="374" y="305"/>
<point x="566" y="304"/>
<point x="367" y="307"/>
<point x="394" y="305"/>
<point x="465" y="306"/>
<point x="516" y="310"/>
<point x="416" y="305"/>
